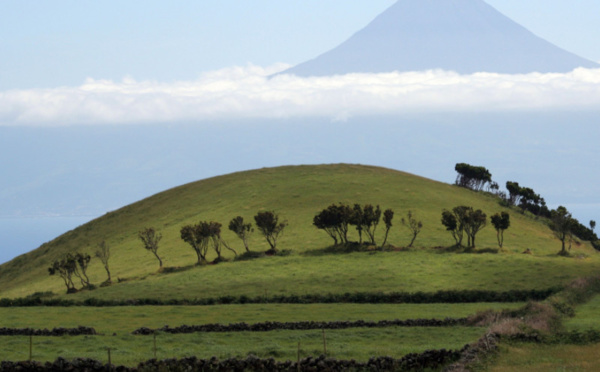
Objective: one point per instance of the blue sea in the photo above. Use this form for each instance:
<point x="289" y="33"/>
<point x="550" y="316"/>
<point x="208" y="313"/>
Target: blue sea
<point x="23" y="234"/>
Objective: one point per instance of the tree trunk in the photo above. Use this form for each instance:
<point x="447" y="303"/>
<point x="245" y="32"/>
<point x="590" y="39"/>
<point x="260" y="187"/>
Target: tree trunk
<point x="413" y="240"/>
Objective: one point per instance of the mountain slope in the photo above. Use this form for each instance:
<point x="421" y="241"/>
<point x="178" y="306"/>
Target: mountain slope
<point x="465" y="36"/>
<point x="297" y="193"/>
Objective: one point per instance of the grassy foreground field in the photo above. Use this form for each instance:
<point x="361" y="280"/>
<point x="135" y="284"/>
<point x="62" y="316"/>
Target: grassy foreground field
<point x="356" y="343"/>
<point x="115" y="325"/>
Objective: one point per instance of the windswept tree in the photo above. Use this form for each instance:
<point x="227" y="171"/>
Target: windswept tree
<point x="334" y="220"/>
<point x="454" y="221"/>
<point x="150" y="238"/>
<point x="561" y="224"/>
<point x="194" y="235"/>
<point x="514" y="192"/>
<point x="269" y="226"/>
<point x="413" y="225"/>
<point x="501" y="222"/>
<point x="472" y="177"/>
<point x="241" y="230"/>
<point x="475" y="221"/>
<point x="103" y="253"/>
<point x="214" y="233"/>
<point x="526" y="199"/>
<point x="371" y="218"/>
<point x="357" y="220"/>
<point x="366" y="219"/>
<point x="327" y="221"/>
<point x="592" y="225"/>
<point x="82" y="261"/>
<point x="388" y="216"/>
<point x="65" y="269"/>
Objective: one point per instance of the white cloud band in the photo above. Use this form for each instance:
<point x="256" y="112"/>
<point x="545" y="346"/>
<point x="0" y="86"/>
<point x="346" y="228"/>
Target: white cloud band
<point x="241" y="92"/>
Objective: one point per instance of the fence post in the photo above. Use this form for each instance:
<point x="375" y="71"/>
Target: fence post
<point x="109" y="361"/>
<point x="324" y="343"/>
<point x="298" y="364"/>
<point x="154" y="345"/>
<point x="30" y="348"/>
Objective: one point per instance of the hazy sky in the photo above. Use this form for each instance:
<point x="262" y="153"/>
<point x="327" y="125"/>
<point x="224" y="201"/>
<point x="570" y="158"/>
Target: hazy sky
<point x="205" y="63"/>
<point x="56" y="43"/>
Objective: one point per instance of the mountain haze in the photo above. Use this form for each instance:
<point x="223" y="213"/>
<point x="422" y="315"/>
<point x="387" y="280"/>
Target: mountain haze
<point x="466" y="36"/>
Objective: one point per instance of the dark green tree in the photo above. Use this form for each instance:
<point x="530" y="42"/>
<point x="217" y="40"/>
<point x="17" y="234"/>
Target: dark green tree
<point x="561" y="224"/>
<point x="451" y="224"/>
<point x="214" y="233"/>
<point x="413" y="225"/>
<point x="334" y="220"/>
<point x="455" y="222"/>
<point x="388" y="216"/>
<point x="501" y="222"/>
<point x="241" y="230"/>
<point x="269" y="226"/>
<point x="65" y="268"/>
<point x="82" y="261"/>
<point x="197" y="237"/>
<point x="592" y="225"/>
<point x="328" y="221"/>
<point x="150" y="238"/>
<point x="472" y="177"/>
<point x="371" y="218"/>
<point x="357" y="220"/>
<point x="514" y="192"/>
<point x="475" y="221"/>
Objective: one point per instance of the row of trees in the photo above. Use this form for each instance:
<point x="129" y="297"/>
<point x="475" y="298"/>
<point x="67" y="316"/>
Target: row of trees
<point x="472" y="177"/>
<point x="205" y="235"/>
<point x="464" y="220"/>
<point x="337" y="219"/>
<point x="74" y="266"/>
<point x="201" y="237"/>
<point x="560" y="221"/>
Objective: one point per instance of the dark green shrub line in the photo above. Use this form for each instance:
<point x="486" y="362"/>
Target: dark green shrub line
<point x="452" y="296"/>
<point x="429" y="359"/>
<point x="79" y="331"/>
<point x="303" y="326"/>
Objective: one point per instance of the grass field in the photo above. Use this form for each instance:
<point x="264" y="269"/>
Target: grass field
<point x="296" y="194"/>
<point x="355" y="343"/>
<point x="417" y="270"/>
<point x="126" y="319"/>
<point x="587" y="317"/>
<point x="115" y="325"/>
<point x="547" y="358"/>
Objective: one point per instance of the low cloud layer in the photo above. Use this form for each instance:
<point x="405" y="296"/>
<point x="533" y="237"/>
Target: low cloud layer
<point x="249" y="92"/>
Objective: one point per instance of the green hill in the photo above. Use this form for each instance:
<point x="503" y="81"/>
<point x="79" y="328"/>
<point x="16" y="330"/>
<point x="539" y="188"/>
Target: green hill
<point x="297" y="193"/>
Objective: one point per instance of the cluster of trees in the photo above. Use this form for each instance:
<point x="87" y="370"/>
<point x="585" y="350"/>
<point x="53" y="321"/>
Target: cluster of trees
<point x="561" y="222"/>
<point x="74" y="266"/>
<point x="526" y="199"/>
<point x="472" y="177"/>
<point x="464" y="220"/>
<point x="337" y="219"/>
<point x="205" y="235"/>
<point x="201" y="237"/>
<point x="565" y="228"/>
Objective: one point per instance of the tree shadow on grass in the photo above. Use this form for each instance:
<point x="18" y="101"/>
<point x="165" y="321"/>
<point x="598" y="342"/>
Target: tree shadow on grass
<point x="461" y="249"/>
<point x="351" y="247"/>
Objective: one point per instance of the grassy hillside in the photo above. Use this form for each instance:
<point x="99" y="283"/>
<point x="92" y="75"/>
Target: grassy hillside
<point x="297" y="193"/>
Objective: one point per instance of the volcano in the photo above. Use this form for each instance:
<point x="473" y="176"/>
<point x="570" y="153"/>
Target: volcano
<point x="466" y="36"/>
